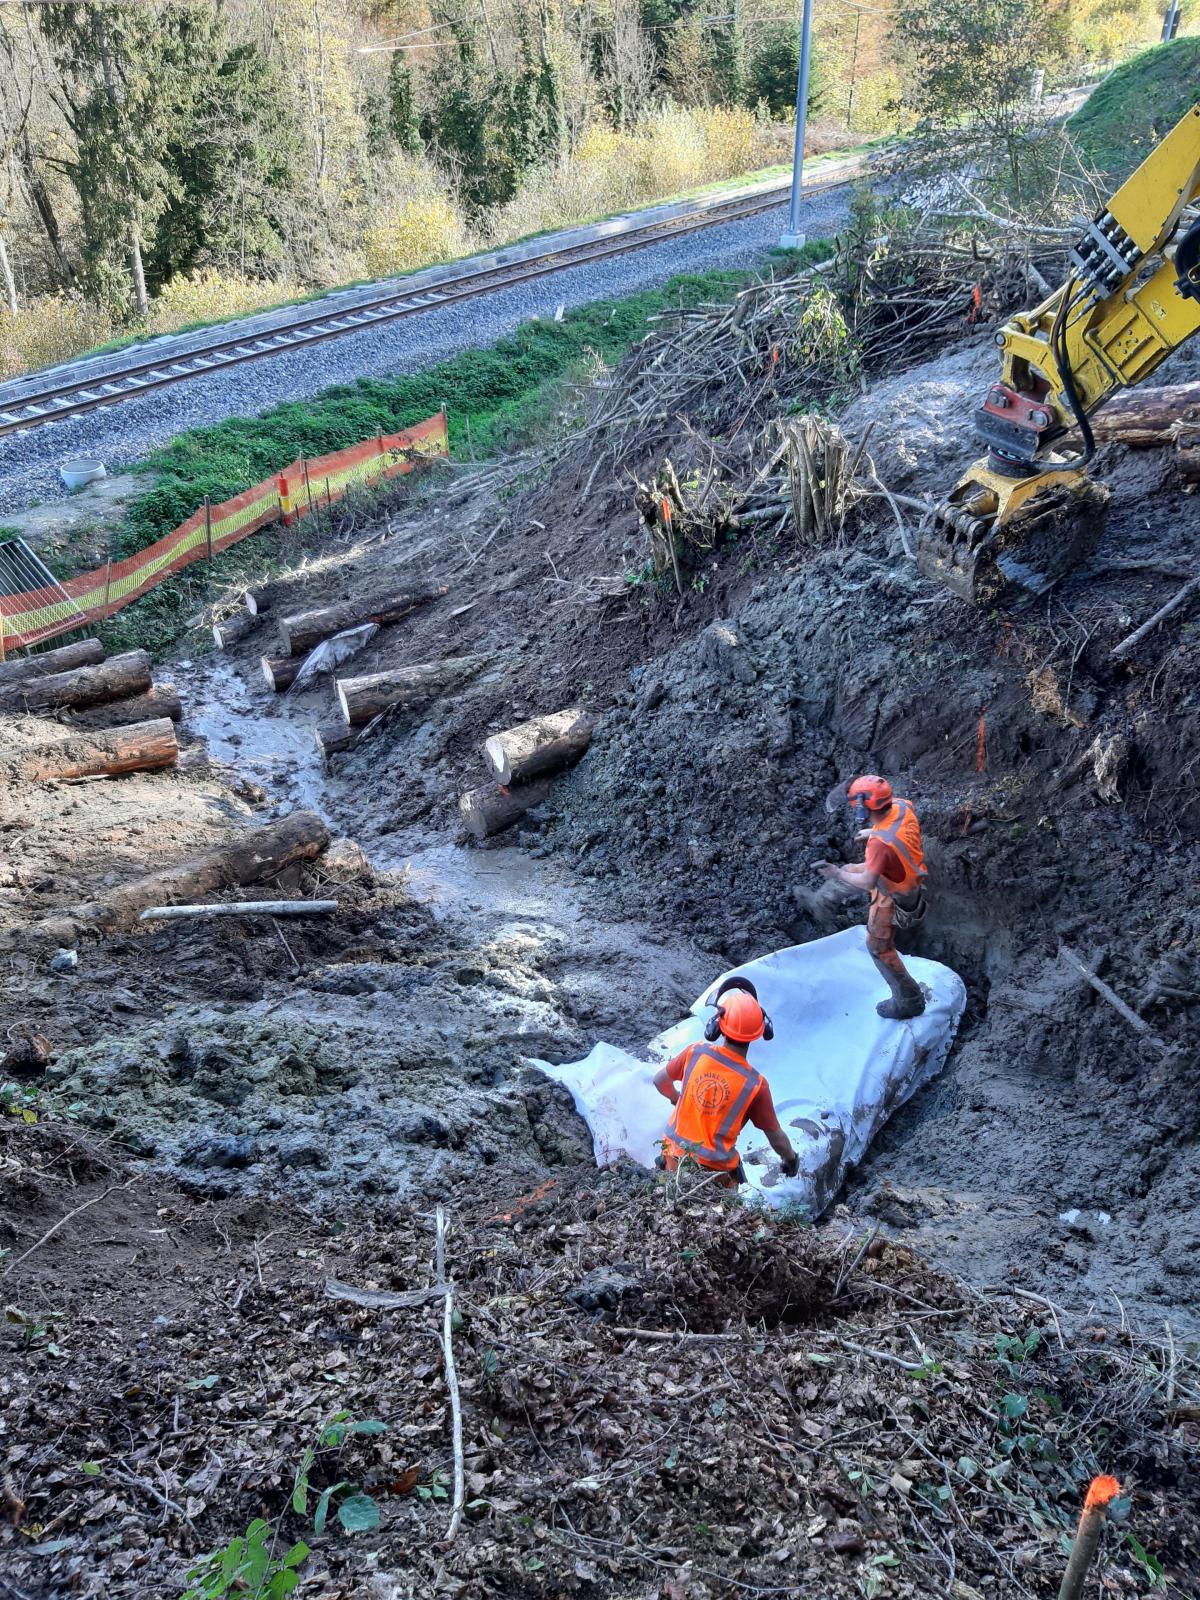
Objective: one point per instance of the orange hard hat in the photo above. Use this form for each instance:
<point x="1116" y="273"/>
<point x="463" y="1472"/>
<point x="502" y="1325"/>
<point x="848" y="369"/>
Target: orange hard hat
<point x="875" y="792"/>
<point x="740" y="1016"/>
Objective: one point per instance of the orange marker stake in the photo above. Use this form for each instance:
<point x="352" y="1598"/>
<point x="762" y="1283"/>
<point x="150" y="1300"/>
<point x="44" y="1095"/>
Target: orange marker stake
<point x="1087" y="1535"/>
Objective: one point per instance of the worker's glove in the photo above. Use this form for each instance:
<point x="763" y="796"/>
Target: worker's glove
<point x="791" y="1167"/>
<point x="826" y="868"/>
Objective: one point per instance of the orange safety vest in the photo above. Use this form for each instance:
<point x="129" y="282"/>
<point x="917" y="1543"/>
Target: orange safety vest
<point x="714" y="1098"/>
<point x="899" y="828"/>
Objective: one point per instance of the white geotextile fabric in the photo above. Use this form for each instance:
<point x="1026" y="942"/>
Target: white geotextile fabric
<point x="836" y="1069"/>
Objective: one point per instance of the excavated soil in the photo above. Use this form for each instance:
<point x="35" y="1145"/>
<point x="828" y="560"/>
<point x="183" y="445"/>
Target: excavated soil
<point x="213" y="1087"/>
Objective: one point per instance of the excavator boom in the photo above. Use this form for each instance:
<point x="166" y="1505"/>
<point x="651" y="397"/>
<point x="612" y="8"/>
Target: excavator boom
<point x="1026" y="514"/>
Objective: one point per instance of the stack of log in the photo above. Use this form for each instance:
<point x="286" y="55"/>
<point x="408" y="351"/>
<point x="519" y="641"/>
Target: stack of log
<point x="120" y="719"/>
<point x="522" y="761"/>
<point x="301" y="632"/>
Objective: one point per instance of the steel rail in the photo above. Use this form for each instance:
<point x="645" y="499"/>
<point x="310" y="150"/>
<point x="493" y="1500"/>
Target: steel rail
<point x="72" y="398"/>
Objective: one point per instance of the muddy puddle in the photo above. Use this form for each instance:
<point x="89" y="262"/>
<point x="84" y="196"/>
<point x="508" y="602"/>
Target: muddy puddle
<point x="271" y="745"/>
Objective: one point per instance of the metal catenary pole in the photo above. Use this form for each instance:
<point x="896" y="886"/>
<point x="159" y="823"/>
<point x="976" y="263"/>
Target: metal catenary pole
<point x="794" y="238"/>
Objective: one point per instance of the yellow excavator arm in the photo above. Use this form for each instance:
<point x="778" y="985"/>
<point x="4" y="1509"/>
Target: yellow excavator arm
<point x="1025" y="514"/>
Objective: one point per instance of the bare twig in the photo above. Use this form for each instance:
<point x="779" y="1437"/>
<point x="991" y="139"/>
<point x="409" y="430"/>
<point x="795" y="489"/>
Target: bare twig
<point x="1138" y="1024"/>
<point x="456" y="1510"/>
<point x="1177" y="599"/>
<point x="62" y="1221"/>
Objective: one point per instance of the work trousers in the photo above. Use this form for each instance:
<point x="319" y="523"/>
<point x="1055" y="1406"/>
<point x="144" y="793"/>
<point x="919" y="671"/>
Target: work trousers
<point x="881" y="927"/>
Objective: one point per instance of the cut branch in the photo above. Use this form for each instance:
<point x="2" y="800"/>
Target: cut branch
<point x="160" y="700"/>
<point x="254" y="856"/>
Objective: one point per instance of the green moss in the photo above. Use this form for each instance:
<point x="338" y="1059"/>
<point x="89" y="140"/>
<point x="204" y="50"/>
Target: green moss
<point x="1125" y="115"/>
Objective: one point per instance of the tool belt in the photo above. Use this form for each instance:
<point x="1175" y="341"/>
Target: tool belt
<point x="910" y="909"/>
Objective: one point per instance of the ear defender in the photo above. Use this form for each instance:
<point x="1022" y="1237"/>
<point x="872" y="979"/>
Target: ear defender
<point x="713" y="1029"/>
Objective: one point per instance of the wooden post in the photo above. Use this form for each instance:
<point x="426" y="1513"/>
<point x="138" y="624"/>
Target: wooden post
<point x="307" y="485"/>
<point x="108" y="581"/>
<point x="470" y="441"/>
<point x="1" y="635"/>
<point x="208" y="525"/>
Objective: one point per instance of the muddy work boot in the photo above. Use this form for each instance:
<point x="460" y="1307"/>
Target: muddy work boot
<point x="908" y="998"/>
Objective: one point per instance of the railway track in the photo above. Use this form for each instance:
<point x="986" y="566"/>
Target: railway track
<point x="71" y="397"/>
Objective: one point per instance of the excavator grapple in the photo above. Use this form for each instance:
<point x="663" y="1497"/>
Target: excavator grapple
<point x="983" y="547"/>
<point x="1026" y="513"/>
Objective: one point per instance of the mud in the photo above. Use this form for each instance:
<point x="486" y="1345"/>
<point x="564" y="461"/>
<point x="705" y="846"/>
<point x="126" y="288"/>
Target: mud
<point x="384" y="1052"/>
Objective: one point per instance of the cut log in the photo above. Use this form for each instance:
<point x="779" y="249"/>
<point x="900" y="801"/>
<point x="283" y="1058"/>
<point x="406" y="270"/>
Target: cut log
<point x="106" y="752"/>
<point x="280" y="671"/>
<point x="67" y="658"/>
<point x="160" y="700"/>
<point x="240" y="908"/>
<point x="363" y="699"/>
<point x="117" y="679"/>
<point x="490" y="809"/>
<point x="253" y="856"/>
<point x="1141" y="416"/>
<point x="259" y="601"/>
<point x="233" y="628"/>
<point x="334" y="737"/>
<point x="542" y="745"/>
<point x="1187" y="455"/>
<point x="298" y="634"/>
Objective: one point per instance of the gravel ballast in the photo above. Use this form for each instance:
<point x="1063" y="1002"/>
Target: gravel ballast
<point x="126" y="433"/>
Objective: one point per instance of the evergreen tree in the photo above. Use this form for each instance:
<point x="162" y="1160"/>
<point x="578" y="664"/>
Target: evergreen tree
<point x="402" y="109"/>
<point x="129" y="78"/>
<point x="549" y="96"/>
<point x="237" y="172"/>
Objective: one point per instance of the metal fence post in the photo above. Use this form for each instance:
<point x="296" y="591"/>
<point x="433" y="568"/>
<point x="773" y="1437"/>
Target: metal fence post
<point x="1" y="636"/>
<point x="208" y="525"/>
<point x="108" y="582"/>
<point x="307" y="485"/>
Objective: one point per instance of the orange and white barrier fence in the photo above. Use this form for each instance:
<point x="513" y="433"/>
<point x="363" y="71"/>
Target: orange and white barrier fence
<point x="296" y="492"/>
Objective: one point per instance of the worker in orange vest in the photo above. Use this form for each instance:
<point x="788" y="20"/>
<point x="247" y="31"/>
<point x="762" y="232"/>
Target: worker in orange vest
<point x="715" y="1090"/>
<point x="893" y="873"/>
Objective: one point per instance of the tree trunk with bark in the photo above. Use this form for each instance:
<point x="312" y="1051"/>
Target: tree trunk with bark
<point x="44" y="206"/>
<point x="67" y="658"/>
<point x="10" y="283"/>
<point x="335" y="737"/>
<point x="491" y="809"/>
<point x="362" y="699"/>
<point x="280" y="671"/>
<point x="160" y="700"/>
<point x="119" y="678"/>
<point x="255" y="856"/>
<point x="233" y="628"/>
<point x="1142" y="416"/>
<point x="537" y="747"/>
<point x="141" y="300"/>
<point x="106" y="752"/>
<point x="300" y="633"/>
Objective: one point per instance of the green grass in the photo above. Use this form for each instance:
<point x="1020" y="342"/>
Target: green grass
<point x="1126" y="114"/>
<point x="508" y="393"/>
